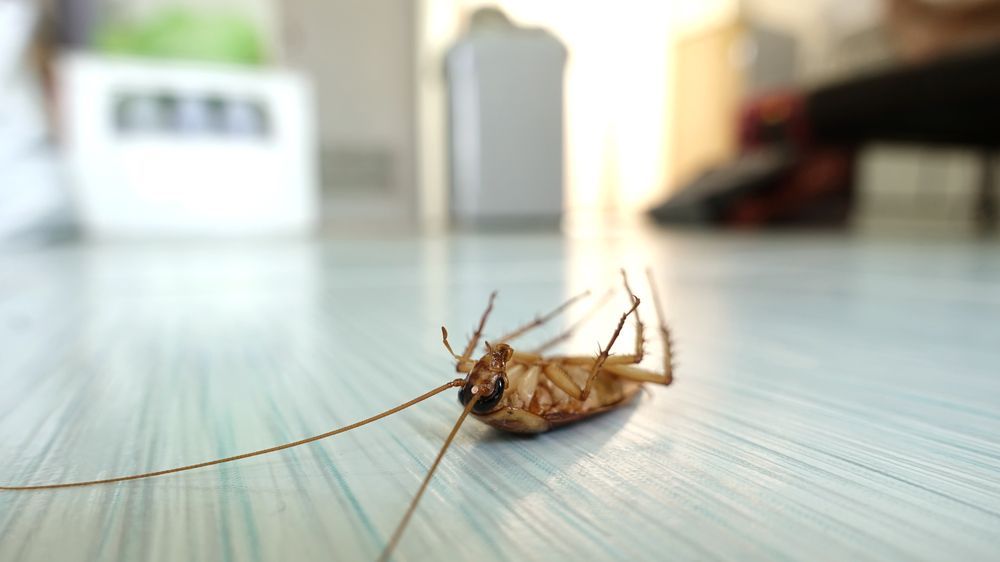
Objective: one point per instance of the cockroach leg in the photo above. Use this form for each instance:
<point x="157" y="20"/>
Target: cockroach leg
<point x="559" y="377"/>
<point x="637" y="374"/>
<point x="603" y="355"/>
<point x="623" y="366"/>
<point x="540" y="320"/>
<point x="639" y="337"/>
<point x="588" y="360"/>
<point x="526" y="358"/>
<point x="474" y="340"/>
<point x="668" y="358"/>
<point x="605" y="299"/>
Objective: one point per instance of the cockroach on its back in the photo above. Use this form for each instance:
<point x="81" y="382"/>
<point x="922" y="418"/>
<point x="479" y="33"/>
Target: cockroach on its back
<point x="527" y="392"/>
<point x="511" y="390"/>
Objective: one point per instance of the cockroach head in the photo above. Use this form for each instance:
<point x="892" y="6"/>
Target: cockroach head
<point x="488" y="379"/>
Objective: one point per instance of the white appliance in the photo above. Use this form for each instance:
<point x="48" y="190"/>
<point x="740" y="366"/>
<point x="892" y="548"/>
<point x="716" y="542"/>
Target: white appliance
<point x="506" y="94"/>
<point x="159" y="148"/>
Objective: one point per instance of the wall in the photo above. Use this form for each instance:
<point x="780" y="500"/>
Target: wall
<point x="360" y="58"/>
<point x="817" y="25"/>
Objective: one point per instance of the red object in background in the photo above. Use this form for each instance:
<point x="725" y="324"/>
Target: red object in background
<point x="774" y="118"/>
<point x="815" y="190"/>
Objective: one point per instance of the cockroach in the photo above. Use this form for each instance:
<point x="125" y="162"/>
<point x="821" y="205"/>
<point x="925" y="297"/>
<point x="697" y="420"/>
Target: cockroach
<point x="511" y="390"/>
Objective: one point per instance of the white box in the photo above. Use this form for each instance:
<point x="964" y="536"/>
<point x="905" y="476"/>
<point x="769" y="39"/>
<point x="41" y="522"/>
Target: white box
<point x="160" y="148"/>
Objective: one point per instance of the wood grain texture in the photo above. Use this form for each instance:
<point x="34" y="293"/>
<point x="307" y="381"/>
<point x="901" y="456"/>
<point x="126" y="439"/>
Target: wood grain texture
<point x="836" y="398"/>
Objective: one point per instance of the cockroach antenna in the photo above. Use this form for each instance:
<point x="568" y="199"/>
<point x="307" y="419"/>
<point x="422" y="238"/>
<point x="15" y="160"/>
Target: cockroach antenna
<point x="345" y="429"/>
<point x="394" y="540"/>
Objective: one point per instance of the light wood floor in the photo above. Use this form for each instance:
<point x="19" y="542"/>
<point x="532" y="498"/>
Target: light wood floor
<point x="836" y="398"/>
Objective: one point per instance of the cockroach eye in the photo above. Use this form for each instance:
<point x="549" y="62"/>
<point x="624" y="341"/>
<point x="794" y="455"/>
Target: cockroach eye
<point x="485" y="404"/>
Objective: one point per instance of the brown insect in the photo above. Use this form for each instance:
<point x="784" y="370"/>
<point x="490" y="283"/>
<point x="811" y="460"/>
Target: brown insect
<point x="511" y="390"/>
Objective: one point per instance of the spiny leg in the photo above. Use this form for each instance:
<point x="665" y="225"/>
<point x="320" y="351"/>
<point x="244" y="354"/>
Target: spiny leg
<point x="555" y="370"/>
<point x="588" y="359"/>
<point x="638" y="374"/>
<point x="540" y="320"/>
<point x="668" y="358"/>
<point x="460" y="366"/>
<point x="639" y="336"/>
<point x="620" y="366"/>
<point x="605" y="299"/>
<point x="603" y="355"/>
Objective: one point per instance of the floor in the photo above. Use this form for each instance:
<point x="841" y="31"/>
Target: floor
<point x="836" y="397"/>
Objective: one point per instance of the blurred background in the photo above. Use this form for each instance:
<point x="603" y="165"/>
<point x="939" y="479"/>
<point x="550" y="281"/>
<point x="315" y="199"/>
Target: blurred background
<point x="139" y="118"/>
